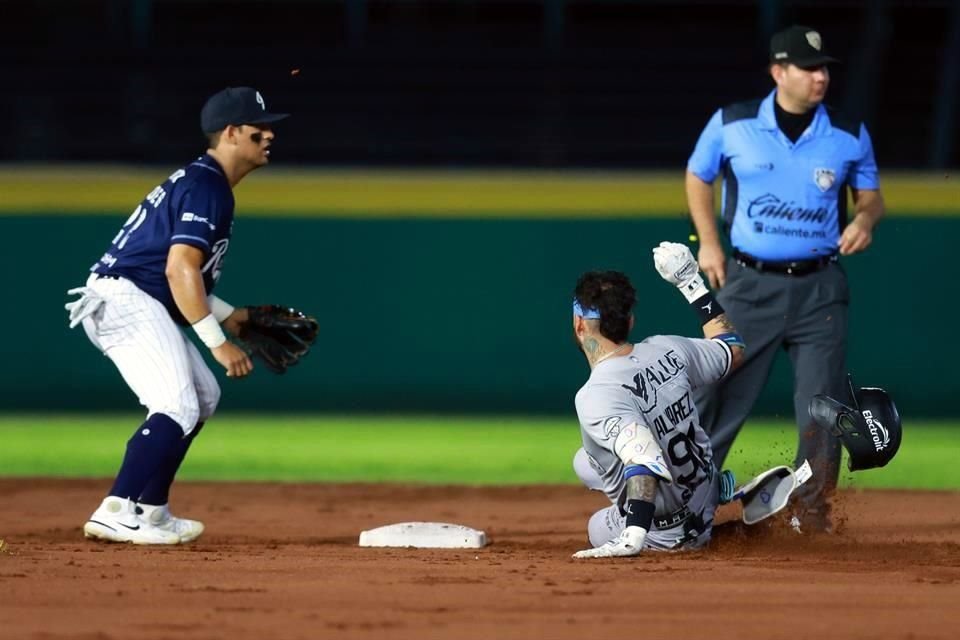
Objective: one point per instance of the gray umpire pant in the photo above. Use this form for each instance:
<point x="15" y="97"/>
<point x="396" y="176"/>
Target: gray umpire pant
<point x="807" y="317"/>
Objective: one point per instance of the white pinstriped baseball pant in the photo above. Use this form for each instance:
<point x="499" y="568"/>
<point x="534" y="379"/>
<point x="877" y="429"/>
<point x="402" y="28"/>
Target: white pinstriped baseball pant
<point x="156" y="359"/>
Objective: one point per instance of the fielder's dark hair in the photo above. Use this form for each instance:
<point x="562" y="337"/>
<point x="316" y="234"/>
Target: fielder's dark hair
<point x="213" y="139"/>
<point x="610" y="293"/>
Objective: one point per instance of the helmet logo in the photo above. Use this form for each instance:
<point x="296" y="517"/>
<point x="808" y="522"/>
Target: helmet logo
<point x="879" y="434"/>
<point x="263" y="105"/>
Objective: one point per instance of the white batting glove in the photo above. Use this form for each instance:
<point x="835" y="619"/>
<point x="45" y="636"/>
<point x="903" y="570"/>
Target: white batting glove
<point x="87" y="304"/>
<point x="676" y="265"/>
<point x="630" y="543"/>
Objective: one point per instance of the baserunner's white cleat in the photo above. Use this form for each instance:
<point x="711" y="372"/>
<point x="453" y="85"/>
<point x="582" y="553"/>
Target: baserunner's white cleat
<point x="116" y="520"/>
<point x="160" y="517"/>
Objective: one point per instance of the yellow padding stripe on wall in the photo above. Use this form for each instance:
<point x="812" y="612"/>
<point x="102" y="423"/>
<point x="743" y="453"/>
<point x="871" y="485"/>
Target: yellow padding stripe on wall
<point x="423" y="194"/>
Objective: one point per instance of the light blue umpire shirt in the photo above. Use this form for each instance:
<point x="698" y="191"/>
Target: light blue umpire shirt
<point x="782" y="200"/>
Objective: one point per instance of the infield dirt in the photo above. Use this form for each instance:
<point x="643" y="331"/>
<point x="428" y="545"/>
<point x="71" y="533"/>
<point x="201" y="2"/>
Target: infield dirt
<point x="282" y="561"/>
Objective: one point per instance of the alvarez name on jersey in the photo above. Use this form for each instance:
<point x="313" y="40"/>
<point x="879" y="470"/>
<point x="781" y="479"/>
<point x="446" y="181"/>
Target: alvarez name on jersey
<point x="653" y="387"/>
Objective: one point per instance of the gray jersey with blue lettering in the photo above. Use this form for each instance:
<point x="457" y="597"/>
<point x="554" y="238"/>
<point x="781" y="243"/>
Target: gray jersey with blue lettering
<point x="652" y="387"/>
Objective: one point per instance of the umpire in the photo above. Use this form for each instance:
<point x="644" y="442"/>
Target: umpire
<point x="787" y="163"/>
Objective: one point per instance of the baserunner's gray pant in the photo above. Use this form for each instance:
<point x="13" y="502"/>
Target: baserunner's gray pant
<point x="807" y="317"/>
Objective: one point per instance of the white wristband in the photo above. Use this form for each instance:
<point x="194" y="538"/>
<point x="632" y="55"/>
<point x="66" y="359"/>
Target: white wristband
<point x="693" y="288"/>
<point x="220" y="309"/>
<point x="210" y="332"/>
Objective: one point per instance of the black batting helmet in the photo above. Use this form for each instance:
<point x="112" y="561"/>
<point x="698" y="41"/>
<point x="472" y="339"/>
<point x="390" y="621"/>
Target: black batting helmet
<point x="870" y="429"/>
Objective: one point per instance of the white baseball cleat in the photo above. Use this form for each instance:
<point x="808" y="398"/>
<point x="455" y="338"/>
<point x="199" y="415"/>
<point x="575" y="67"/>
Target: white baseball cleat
<point x="160" y="517"/>
<point x="116" y="520"/>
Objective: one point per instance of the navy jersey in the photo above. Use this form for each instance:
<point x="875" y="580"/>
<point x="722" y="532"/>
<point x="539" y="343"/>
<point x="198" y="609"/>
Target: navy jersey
<point x="195" y="207"/>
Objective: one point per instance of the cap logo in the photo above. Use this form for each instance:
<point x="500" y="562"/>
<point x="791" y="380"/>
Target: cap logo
<point x="780" y="55"/>
<point x="263" y="105"/>
<point x="814" y="39"/>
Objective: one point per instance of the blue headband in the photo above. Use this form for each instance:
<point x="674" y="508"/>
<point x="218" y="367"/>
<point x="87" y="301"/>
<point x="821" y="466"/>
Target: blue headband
<point x="589" y="314"/>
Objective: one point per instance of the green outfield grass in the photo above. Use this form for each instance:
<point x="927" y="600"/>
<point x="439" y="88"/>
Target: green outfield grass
<point x="419" y="449"/>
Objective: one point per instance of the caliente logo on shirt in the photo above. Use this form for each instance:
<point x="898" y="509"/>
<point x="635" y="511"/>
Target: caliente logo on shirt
<point x="770" y="206"/>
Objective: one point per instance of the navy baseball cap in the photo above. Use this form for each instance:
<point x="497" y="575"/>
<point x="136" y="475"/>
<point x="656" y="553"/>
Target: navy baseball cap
<point x="799" y="45"/>
<point x="236" y="106"/>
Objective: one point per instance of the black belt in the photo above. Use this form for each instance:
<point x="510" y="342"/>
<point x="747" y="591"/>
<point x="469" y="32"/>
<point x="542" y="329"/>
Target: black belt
<point x="672" y="520"/>
<point x="112" y="276"/>
<point x="790" y="268"/>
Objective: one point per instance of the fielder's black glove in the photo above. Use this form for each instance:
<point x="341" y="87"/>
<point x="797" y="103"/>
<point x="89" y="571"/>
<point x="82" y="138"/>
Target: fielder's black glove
<point x="278" y="336"/>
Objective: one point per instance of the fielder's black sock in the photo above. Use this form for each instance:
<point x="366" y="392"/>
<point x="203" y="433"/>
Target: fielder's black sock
<point x="153" y="443"/>
<point x="157" y="491"/>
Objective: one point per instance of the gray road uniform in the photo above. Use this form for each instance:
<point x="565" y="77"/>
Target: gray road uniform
<point x="652" y="388"/>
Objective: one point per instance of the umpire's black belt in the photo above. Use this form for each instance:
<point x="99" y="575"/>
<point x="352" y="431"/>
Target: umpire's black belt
<point x="789" y="268"/>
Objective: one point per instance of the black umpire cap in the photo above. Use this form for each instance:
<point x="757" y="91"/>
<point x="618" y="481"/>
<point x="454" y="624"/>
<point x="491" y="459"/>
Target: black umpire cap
<point x="236" y="106"/>
<point x="799" y="45"/>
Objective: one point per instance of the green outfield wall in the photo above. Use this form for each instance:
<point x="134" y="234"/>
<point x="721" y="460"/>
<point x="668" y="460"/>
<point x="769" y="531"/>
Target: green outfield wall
<point x="451" y="310"/>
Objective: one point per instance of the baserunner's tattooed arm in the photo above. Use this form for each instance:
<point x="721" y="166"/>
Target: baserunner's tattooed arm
<point x="722" y="328"/>
<point x="643" y="487"/>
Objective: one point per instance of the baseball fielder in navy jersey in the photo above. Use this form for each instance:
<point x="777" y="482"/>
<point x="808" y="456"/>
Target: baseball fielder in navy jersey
<point x="787" y="163"/>
<point x="643" y="444"/>
<point x="155" y="280"/>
